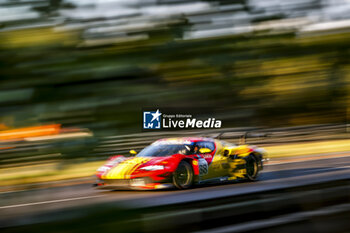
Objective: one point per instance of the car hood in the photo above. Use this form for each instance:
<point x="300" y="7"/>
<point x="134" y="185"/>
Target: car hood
<point x="126" y="168"/>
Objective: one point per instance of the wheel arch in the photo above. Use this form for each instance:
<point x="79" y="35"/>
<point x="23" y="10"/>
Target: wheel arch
<point x="190" y="162"/>
<point x="195" y="167"/>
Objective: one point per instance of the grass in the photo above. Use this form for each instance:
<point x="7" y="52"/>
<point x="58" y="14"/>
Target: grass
<point x="308" y="148"/>
<point x="55" y="171"/>
<point x="47" y="172"/>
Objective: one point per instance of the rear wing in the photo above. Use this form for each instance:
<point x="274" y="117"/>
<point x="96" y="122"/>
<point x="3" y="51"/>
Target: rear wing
<point x="242" y="137"/>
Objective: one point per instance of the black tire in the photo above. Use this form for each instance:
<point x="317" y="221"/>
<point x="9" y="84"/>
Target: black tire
<point x="183" y="176"/>
<point x="252" y="166"/>
<point x="260" y="162"/>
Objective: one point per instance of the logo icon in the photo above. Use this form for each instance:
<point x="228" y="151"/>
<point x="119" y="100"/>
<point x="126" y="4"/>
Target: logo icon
<point x="151" y="120"/>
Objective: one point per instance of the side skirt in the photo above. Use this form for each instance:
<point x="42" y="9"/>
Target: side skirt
<point x="215" y="180"/>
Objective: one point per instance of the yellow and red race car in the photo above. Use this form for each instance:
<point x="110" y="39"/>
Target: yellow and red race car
<point x="181" y="163"/>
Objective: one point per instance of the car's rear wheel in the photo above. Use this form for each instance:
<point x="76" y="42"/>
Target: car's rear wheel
<point x="252" y="167"/>
<point x="183" y="176"/>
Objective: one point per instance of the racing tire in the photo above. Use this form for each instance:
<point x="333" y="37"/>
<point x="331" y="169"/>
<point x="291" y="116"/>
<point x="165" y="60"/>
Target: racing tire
<point x="183" y="176"/>
<point x="252" y="167"/>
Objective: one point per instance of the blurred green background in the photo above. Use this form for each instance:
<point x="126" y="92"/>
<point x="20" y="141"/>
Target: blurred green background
<point x="95" y="64"/>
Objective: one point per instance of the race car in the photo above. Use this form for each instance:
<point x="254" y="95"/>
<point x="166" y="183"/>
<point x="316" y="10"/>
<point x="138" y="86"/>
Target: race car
<point x="181" y="163"/>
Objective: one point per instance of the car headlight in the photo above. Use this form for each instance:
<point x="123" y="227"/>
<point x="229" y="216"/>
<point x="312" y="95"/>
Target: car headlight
<point x="137" y="182"/>
<point x="103" y="169"/>
<point x="153" y="168"/>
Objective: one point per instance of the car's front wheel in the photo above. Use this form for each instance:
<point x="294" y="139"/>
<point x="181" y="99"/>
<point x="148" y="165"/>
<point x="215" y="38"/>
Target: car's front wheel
<point x="183" y="176"/>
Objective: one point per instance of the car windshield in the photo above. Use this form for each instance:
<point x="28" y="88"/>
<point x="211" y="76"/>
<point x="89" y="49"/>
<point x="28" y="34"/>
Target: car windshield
<point x="163" y="150"/>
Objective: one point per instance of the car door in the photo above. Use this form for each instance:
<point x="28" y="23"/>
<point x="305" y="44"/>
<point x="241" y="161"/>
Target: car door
<point x="207" y="156"/>
<point x="216" y="161"/>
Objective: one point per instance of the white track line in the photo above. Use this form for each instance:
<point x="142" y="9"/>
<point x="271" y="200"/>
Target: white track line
<point x="49" y="202"/>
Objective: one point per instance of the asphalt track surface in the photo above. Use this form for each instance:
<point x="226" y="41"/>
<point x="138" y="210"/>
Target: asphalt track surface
<point x="24" y="204"/>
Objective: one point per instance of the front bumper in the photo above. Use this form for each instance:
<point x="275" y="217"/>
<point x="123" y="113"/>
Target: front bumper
<point x="143" y="183"/>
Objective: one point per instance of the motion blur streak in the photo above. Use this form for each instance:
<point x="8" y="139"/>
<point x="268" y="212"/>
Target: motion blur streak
<point x="29" y="132"/>
<point x="76" y="74"/>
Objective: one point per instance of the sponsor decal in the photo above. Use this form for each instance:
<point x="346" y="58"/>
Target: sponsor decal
<point x="207" y="156"/>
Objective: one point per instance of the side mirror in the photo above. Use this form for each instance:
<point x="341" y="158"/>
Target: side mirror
<point x="133" y="152"/>
<point x="204" y="150"/>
